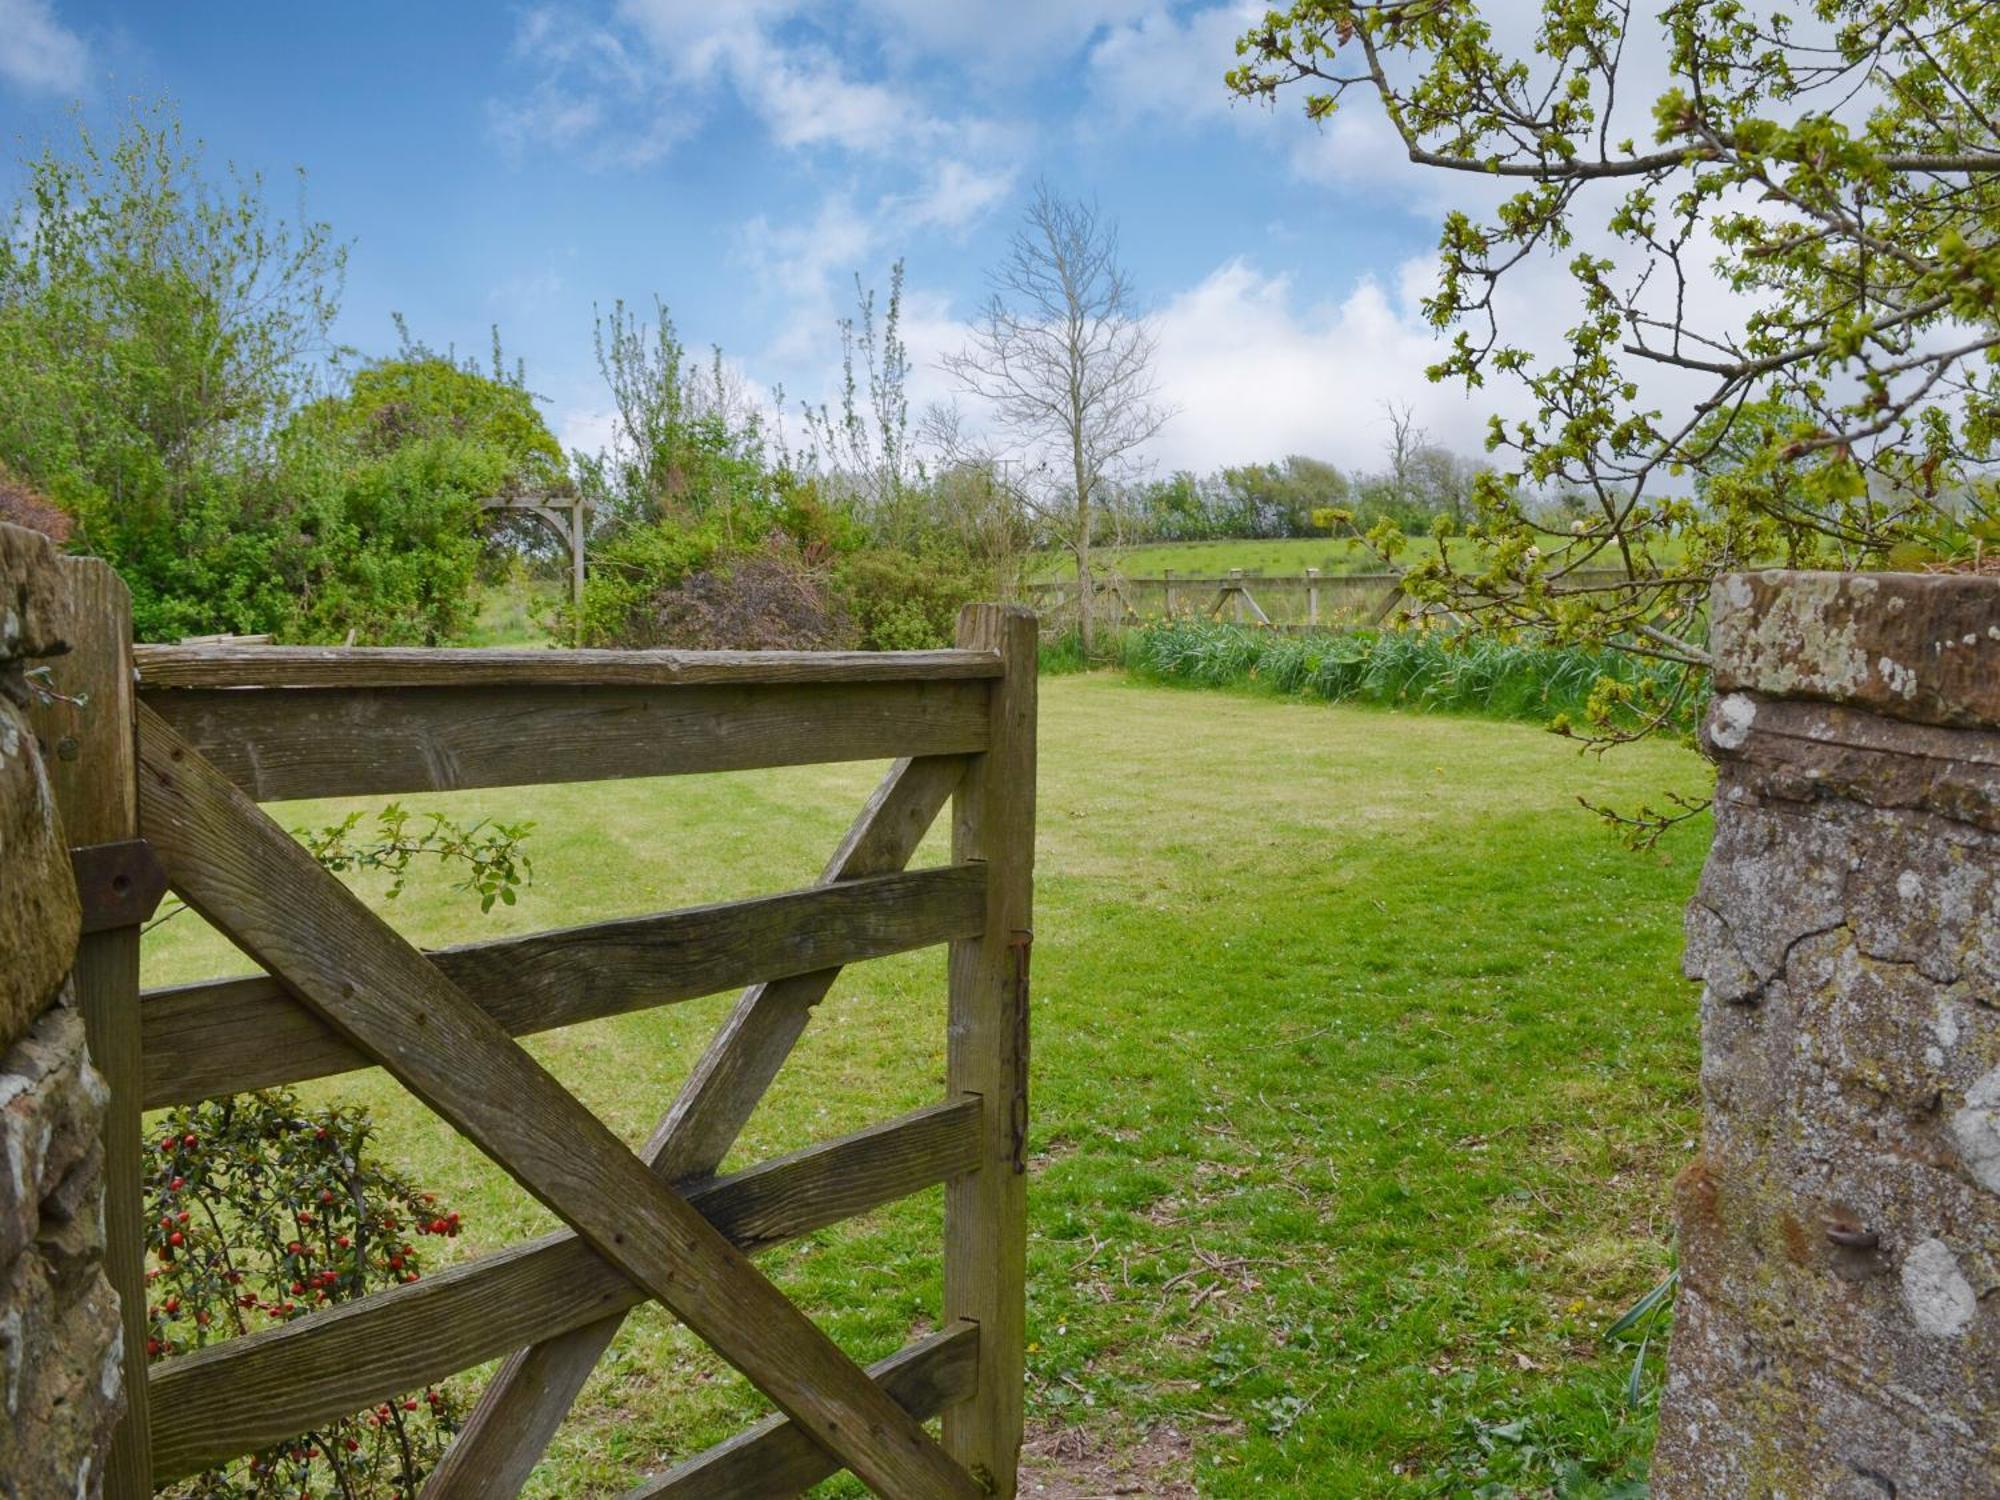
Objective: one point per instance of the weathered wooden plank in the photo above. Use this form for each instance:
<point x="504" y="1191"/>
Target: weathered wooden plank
<point x="247" y="876"/>
<point x="986" y="1232"/>
<point x="227" y="1036"/>
<point x="373" y="741"/>
<point x="235" y="1397"/>
<point x="218" y="664"/>
<point x="774" y="1458"/>
<point x="518" y="1414"/>
<point x="94" y="776"/>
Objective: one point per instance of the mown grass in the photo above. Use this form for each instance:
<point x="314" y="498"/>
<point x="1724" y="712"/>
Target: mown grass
<point x="1430" y="670"/>
<point x="1362" y="1063"/>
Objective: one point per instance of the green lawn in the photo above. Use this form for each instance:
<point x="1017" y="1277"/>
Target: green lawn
<point x="1362" y="1064"/>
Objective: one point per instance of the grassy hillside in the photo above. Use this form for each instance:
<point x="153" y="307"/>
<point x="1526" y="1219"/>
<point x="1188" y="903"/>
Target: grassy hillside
<point x="1290" y="556"/>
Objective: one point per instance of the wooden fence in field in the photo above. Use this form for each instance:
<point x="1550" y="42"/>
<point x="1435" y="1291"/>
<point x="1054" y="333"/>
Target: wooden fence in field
<point x="1304" y="601"/>
<point x="1311" y="600"/>
<point x="167" y="756"/>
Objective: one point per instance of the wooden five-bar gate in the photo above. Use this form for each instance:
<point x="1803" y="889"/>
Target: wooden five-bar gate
<point x="174" y="757"/>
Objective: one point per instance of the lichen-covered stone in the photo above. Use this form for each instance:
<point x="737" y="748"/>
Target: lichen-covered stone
<point x="61" y="1379"/>
<point x="1838" y="1332"/>
<point x="61" y="1356"/>
<point x="38" y="907"/>
<point x="1918" y="646"/>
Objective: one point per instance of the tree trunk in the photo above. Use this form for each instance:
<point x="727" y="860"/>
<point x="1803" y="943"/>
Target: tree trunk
<point x="1086" y="586"/>
<point x="1086" y="599"/>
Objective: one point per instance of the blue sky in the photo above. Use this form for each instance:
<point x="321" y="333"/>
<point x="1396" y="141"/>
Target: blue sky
<point x="518" y="164"/>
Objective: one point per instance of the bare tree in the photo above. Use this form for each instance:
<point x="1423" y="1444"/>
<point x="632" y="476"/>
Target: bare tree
<point x="1062" y="362"/>
<point x="1406" y="443"/>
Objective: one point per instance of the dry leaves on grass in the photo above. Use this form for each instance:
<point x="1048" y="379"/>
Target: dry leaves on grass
<point x="1073" y="1463"/>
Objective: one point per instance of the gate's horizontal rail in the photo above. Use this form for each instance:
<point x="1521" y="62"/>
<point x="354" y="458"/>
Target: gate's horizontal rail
<point x="372" y="740"/>
<point x="239" y="666"/>
<point x="227" y="1036"/>
<point x="775" y="1458"/>
<point x="235" y="1397"/>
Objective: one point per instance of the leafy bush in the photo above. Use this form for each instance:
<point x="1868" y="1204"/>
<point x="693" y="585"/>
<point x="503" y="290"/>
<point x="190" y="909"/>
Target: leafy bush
<point x="261" y="1211"/>
<point x="904" y="601"/>
<point x="805" y="586"/>
<point x="628" y="572"/>
<point x="1419" y="669"/>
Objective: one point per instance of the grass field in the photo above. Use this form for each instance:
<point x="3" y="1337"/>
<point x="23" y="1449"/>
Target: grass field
<point x="1362" y="1065"/>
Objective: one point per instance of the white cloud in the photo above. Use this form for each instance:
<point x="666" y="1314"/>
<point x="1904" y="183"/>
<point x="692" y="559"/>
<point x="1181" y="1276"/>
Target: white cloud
<point x="586" y="429"/>
<point x="1257" y="373"/>
<point x="805" y="99"/>
<point x="1162" y="67"/>
<point x="959" y="194"/>
<point x="37" y="52"/>
<point x="986" y="38"/>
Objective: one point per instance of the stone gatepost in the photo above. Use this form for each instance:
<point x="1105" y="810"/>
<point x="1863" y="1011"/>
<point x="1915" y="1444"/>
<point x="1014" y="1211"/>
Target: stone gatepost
<point x="61" y="1381"/>
<point x="1838" y="1328"/>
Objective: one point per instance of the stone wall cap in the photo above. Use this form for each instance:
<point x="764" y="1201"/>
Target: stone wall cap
<point x="34" y="603"/>
<point x="1918" y="646"/>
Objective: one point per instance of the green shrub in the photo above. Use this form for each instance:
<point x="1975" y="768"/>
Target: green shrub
<point x="908" y="601"/>
<point x="628" y="572"/>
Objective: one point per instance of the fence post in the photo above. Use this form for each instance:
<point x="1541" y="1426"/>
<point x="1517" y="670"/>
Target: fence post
<point x="94" y="770"/>
<point x="1170" y="591"/>
<point x="986" y="1238"/>
<point x="1236" y="594"/>
<point x="1312" y="596"/>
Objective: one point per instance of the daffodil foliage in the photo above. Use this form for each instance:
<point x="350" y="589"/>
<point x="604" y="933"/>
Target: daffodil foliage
<point x="1778" y="235"/>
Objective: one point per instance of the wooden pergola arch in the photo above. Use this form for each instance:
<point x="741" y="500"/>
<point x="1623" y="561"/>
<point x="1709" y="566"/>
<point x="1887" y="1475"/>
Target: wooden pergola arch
<point x="566" y="515"/>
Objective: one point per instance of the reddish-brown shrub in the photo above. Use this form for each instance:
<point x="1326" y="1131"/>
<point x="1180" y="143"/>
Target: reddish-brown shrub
<point x="21" y="506"/>
<point x="774" y="599"/>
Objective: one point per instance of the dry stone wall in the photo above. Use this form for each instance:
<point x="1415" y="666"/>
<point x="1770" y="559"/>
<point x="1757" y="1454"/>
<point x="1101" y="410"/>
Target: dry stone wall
<point x="61" y="1383"/>
<point x="1838" y="1328"/>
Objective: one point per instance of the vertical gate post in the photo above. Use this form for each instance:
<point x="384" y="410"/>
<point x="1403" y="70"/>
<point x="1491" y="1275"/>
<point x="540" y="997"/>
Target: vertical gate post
<point x="1236" y="594"/>
<point x="1312" y="596"/>
<point x="93" y="766"/>
<point x="576" y="520"/>
<point x="986" y="1237"/>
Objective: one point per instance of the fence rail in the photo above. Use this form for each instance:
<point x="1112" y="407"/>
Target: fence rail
<point x="217" y="727"/>
<point x="1307" y="601"/>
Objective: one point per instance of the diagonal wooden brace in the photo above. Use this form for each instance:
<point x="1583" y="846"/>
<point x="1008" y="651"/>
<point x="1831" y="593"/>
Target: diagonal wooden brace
<point x="248" y="877"/>
<point x="528" y="1398"/>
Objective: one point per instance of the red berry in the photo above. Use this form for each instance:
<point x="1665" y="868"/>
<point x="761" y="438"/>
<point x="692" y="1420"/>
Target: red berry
<point x="176" y="1238"/>
<point x="177" y="1184"/>
<point x="188" y="1141"/>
